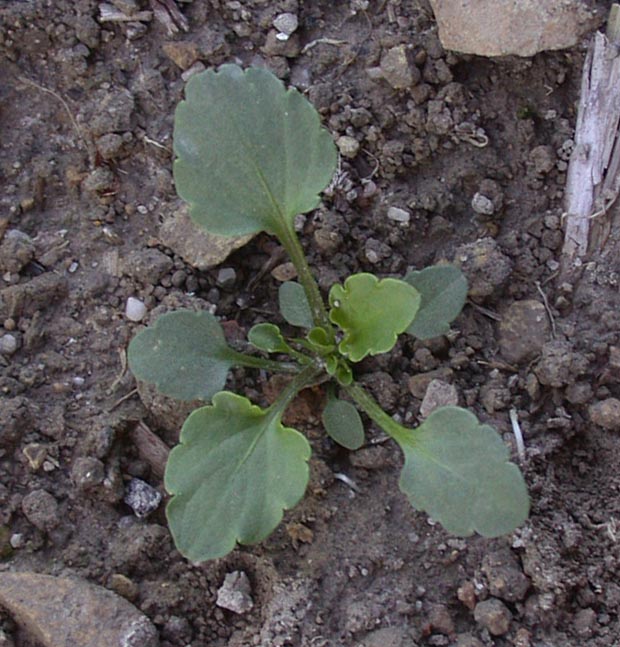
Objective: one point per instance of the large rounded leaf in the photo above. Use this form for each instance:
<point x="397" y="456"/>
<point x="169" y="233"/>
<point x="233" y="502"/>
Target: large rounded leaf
<point x="184" y="354"/>
<point x="251" y="155"/>
<point x="458" y="471"/>
<point x="234" y="472"/>
<point x="371" y="313"/>
<point x="443" y="289"/>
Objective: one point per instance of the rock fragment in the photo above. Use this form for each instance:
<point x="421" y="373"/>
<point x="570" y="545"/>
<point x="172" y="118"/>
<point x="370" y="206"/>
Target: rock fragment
<point x="348" y="146"/>
<point x="438" y="394"/>
<point x="197" y="247"/>
<point x="523" y="331"/>
<point x="24" y="299"/>
<point x="397" y="70"/>
<point x="234" y="594"/>
<point x="559" y="364"/>
<point x="135" y="310"/>
<point x="606" y="414"/>
<point x="41" y="509"/>
<point x="66" y="612"/>
<point x="486" y="267"/>
<point x="504" y="28"/>
<point x="141" y="497"/>
<point x="16" y="251"/>
<point x="399" y="215"/>
<point x="506" y="579"/>
<point x="494" y="616"/>
<point x="9" y="344"/>
<point x="147" y="265"/>
<point x="87" y="473"/>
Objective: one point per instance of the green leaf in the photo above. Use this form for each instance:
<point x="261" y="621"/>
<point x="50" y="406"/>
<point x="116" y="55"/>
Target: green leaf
<point x="267" y="337"/>
<point x="251" y="155"/>
<point x="294" y="305"/>
<point x="372" y="313"/>
<point x="319" y="339"/>
<point x="184" y="354"/>
<point x="234" y="472"/>
<point x="443" y="289"/>
<point x="458" y="471"/>
<point x="343" y="424"/>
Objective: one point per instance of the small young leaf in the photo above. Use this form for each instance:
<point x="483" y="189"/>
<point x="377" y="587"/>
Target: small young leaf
<point x="343" y="423"/>
<point x="184" y="354"/>
<point x="234" y="472"/>
<point x="371" y="313"/>
<point x="443" y="289"/>
<point x="251" y="155"/>
<point x="320" y="340"/>
<point x="267" y="337"/>
<point x="458" y="471"/>
<point x="294" y="305"/>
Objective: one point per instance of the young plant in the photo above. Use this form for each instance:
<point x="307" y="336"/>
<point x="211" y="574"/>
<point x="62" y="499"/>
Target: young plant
<point x="251" y="155"/>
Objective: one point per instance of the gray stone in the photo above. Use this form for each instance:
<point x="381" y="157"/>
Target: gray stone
<point x="147" y="265"/>
<point x="41" y="509"/>
<point x="226" y="277"/>
<point x="482" y="205"/>
<point x="397" y="70"/>
<point x="16" y="251"/>
<point x="114" y="110"/>
<point x="197" y="247"/>
<point x="438" y="394"/>
<point x="8" y="344"/>
<point x="234" y="594"/>
<point x="66" y="612"/>
<point x="505" y="27"/>
<point x="24" y="299"/>
<point x="141" y="497"/>
<point x="523" y="331"/>
<point x="286" y="23"/>
<point x="606" y="414"/>
<point x="87" y="473"/>
<point x="110" y="146"/>
<point x="388" y="637"/>
<point x="399" y="215"/>
<point x="494" y="616"/>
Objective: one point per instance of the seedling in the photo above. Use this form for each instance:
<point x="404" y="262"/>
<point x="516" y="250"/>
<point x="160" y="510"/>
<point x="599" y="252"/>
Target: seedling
<point x="251" y="155"/>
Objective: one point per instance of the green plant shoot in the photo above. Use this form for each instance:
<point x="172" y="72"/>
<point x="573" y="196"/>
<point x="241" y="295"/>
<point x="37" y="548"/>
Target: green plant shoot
<point x="250" y="156"/>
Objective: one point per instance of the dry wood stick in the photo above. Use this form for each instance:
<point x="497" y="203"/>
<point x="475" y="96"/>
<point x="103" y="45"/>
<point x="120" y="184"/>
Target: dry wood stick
<point x="592" y="184"/>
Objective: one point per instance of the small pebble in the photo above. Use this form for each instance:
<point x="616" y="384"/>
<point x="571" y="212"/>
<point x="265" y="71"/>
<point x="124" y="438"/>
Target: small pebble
<point x="234" y="594"/>
<point x="348" y="146"/>
<point x="286" y="24"/>
<point x="606" y="414"/>
<point x="135" y="310"/>
<point x="399" y="215"/>
<point x="226" y="277"/>
<point x="8" y="344"/>
<point x="438" y="394"/>
<point x="16" y="540"/>
<point x="482" y="205"/>
<point x="141" y="497"/>
<point x="493" y="615"/>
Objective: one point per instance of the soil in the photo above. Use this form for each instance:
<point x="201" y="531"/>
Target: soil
<point x="86" y="111"/>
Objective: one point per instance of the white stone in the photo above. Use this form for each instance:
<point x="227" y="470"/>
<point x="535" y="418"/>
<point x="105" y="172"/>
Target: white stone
<point x="8" y="344"/>
<point x="286" y="23"/>
<point x="399" y="215"/>
<point x="234" y="594"/>
<point x="135" y="309"/>
<point x="482" y="205"/>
